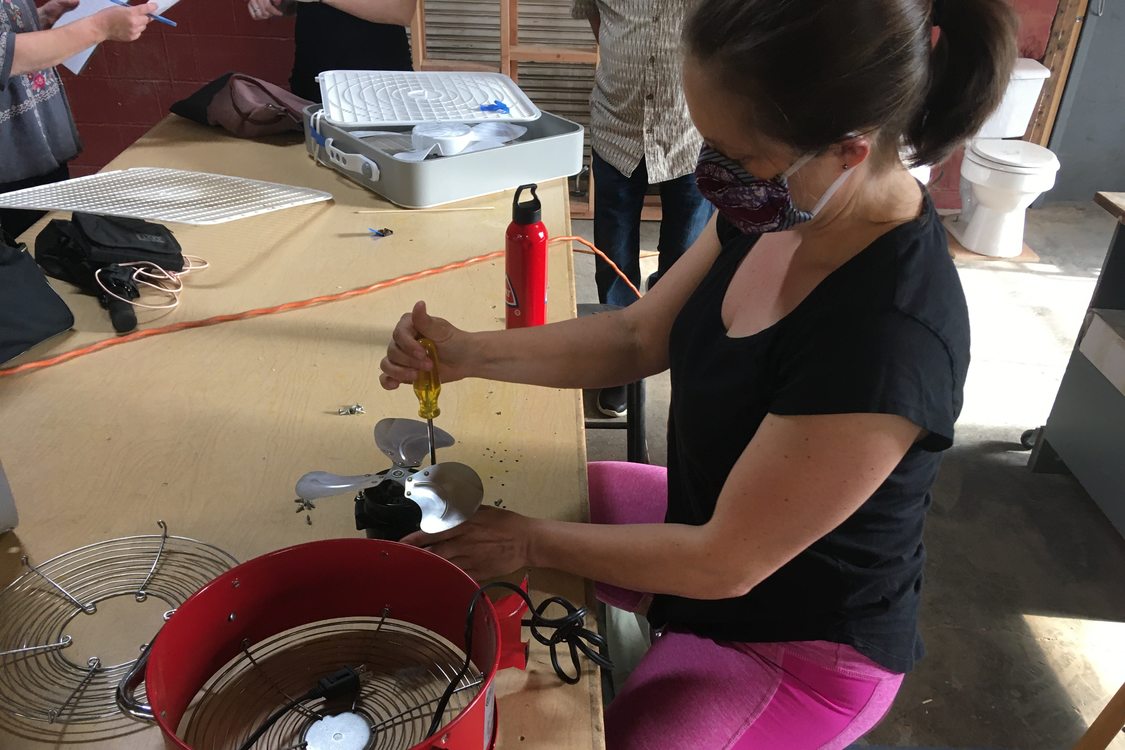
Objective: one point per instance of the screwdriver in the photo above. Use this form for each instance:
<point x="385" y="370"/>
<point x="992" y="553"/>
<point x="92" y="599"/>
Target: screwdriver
<point x="427" y="387"/>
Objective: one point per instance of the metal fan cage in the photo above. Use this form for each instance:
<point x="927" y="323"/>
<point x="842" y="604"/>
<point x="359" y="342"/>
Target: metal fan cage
<point x="42" y="680"/>
<point x="404" y="670"/>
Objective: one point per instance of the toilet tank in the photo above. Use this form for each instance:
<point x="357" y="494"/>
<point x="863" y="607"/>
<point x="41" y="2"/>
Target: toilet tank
<point x="1011" y="119"/>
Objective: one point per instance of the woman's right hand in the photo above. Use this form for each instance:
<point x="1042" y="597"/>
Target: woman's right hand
<point x="405" y="356"/>
<point x="118" y="24"/>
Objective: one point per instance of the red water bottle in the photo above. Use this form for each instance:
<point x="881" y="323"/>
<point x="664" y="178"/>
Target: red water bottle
<point x="525" y="262"/>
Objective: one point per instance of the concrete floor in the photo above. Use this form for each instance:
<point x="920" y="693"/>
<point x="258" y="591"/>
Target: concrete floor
<point x="1024" y="605"/>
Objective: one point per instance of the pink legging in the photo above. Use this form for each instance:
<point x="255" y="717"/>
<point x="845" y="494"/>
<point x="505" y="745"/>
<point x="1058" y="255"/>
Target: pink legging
<point x="693" y="692"/>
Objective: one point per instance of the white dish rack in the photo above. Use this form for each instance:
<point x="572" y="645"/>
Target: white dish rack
<point x="377" y="98"/>
<point x="158" y="194"/>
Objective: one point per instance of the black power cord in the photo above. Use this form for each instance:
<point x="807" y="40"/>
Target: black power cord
<point x="340" y="683"/>
<point x="118" y="280"/>
<point x="569" y="629"/>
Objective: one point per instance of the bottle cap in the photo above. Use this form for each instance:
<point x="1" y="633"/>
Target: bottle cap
<point x="529" y="212"/>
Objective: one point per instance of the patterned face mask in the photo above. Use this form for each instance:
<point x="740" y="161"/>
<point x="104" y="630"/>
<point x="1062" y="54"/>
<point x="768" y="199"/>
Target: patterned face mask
<point x="753" y="204"/>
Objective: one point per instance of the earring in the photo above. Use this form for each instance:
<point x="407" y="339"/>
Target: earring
<point x="846" y="167"/>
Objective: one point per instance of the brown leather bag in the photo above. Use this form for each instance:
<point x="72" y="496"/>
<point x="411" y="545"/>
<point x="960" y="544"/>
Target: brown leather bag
<point x="249" y="108"/>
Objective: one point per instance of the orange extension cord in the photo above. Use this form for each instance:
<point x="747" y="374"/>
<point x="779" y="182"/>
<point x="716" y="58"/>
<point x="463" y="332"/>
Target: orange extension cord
<point x="287" y="306"/>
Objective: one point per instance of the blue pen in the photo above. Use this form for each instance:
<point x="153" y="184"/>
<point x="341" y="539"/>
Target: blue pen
<point x="153" y="16"/>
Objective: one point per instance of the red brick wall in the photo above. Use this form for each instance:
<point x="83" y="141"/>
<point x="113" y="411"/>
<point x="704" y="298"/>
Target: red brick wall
<point x="127" y="88"/>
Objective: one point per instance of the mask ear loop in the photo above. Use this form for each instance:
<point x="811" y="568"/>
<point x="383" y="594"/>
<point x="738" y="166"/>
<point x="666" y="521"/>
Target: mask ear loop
<point x="836" y="184"/>
<point x="797" y="165"/>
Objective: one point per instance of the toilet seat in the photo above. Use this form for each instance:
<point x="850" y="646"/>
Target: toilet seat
<point x="1012" y="156"/>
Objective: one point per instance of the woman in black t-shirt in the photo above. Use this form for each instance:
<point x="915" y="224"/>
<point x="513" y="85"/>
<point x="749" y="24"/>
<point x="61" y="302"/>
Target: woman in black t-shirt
<point x="818" y="342"/>
<point x="341" y="35"/>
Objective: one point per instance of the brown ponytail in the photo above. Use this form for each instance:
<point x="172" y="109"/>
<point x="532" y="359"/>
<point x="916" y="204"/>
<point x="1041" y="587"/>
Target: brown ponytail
<point x="811" y="72"/>
<point x="969" y="72"/>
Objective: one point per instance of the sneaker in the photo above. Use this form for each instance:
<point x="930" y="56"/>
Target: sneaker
<point x="612" y="401"/>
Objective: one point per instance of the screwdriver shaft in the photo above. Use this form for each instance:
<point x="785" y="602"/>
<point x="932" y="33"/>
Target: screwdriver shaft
<point x="433" y="450"/>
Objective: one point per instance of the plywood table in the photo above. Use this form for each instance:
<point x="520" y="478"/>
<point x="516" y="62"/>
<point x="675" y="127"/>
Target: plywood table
<point x="208" y="429"/>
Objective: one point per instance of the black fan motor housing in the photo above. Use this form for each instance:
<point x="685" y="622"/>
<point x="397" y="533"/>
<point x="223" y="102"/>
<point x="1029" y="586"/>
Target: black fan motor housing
<point x="383" y="512"/>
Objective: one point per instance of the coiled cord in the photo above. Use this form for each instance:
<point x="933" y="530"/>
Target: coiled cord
<point x="569" y="629"/>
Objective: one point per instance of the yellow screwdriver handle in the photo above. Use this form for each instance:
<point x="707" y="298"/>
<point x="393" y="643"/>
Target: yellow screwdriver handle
<point x="427" y="384"/>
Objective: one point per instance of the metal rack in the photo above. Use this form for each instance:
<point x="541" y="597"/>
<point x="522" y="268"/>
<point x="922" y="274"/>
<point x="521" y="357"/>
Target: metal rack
<point x="44" y="678"/>
<point x="404" y="670"/>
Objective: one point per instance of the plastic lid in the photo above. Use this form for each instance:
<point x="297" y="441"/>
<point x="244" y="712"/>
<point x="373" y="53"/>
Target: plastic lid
<point x="529" y="212"/>
<point x="376" y="98"/>
<point x="1028" y="68"/>
<point x="1015" y="153"/>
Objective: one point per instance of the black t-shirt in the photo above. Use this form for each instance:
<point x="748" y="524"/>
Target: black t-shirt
<point x="330" y="39"/>
<point x="888" y="333"/>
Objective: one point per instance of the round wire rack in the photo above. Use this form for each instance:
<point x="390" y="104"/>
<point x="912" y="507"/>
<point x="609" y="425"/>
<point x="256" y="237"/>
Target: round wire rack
<point x="404" y="668"/>
<point x="49" y="676"/>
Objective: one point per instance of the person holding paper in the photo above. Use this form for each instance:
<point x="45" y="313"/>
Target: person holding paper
<point x="37" y="132"/>
<point x="341" y="35"/>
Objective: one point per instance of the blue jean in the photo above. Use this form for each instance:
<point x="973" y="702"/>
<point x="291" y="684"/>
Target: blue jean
<point x="618" y="200"/>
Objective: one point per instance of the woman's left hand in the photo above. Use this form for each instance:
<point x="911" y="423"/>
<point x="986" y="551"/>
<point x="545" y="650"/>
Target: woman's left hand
<point x="261" y="10"/>
<point x="492" y="543"/>
<point x="52" y="10"/>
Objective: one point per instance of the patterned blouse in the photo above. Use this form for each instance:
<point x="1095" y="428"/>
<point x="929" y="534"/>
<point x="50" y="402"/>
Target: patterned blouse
<point x="637" y="108"/>
<point x="37" y="132"/>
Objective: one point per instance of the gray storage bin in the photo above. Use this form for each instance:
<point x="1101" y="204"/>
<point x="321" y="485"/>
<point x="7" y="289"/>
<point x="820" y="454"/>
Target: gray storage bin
<point x="551" y="148"/>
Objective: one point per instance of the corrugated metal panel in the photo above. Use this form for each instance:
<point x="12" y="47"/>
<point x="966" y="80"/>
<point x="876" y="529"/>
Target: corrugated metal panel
<point x="460" y="30"/>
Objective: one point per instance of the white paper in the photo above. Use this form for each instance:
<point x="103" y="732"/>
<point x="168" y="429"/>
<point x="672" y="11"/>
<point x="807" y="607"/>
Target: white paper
<point x="77" y="62"/>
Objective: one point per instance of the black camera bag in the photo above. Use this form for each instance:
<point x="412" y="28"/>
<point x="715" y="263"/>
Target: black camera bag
<point x="92" y="242"/>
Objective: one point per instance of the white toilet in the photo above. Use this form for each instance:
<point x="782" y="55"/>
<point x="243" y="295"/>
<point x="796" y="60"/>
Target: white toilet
<point x="1001" y="177"/>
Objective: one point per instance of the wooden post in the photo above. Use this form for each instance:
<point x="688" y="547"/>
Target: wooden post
<point x="1065" y="30"/>
<point x="509" y="36"/>
<point x="1109" y="722"/>
<point x="418" y="36"/>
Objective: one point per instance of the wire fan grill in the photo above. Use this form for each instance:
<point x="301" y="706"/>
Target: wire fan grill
<point x="385" y="98"/>
<point x="48" y="676"/>
<point x="160" y="194"/>
<point x="405" y="669"/>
